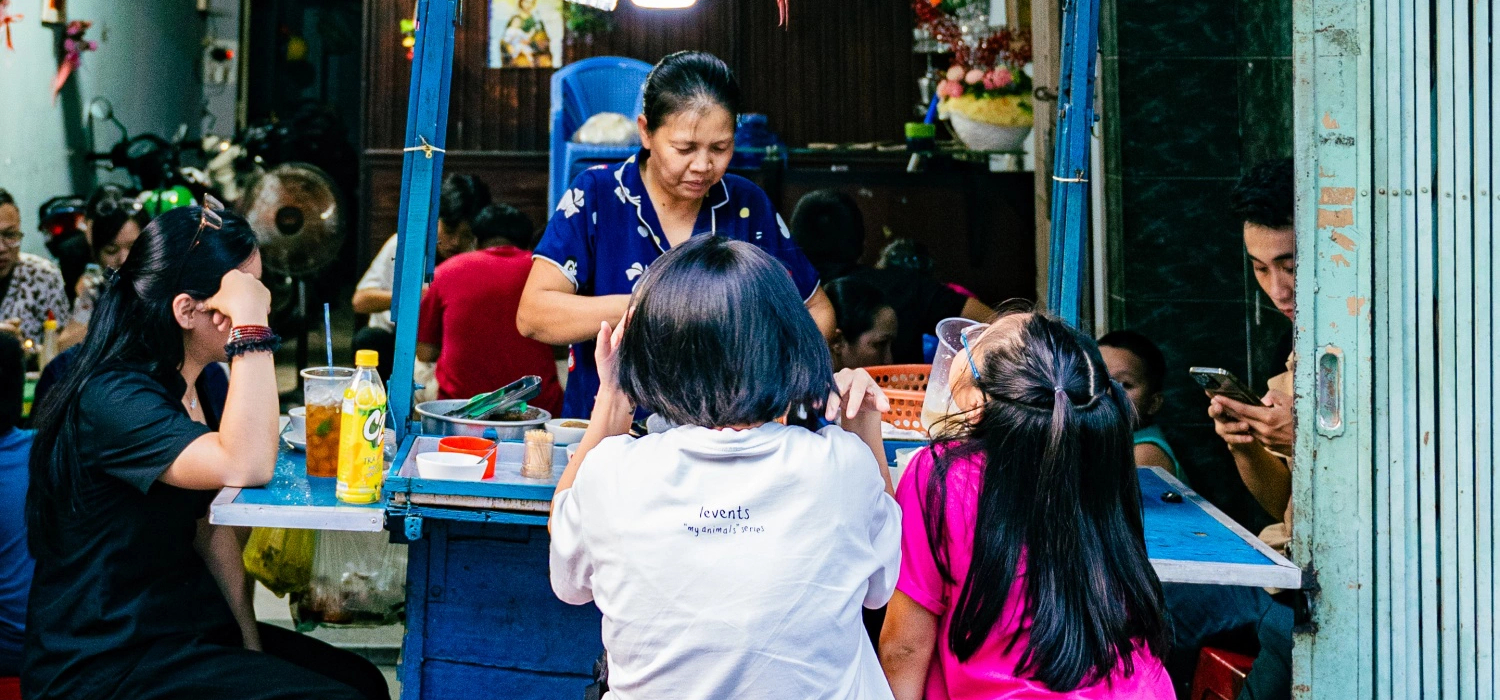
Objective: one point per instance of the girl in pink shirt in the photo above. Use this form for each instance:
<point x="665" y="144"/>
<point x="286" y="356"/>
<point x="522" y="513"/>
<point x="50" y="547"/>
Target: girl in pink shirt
<point x="1054" y="596"/>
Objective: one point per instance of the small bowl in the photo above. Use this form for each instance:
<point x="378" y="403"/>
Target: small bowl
<point x="479" y="447"/>
<point x="452" y="466"/>
<point x="562" y="435"/>
<point x="298" y="418"/>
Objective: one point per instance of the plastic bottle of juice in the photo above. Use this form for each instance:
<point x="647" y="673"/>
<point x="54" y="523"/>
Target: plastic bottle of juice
<point x="362" y="433"/>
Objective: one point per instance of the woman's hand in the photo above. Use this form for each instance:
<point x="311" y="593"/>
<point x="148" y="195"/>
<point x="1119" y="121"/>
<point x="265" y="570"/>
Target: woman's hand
<point x="242" y="301"/>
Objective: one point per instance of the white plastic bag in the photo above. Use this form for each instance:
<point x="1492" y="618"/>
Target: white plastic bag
<point x="610" y="129"/>
<point x="358" y="579"/>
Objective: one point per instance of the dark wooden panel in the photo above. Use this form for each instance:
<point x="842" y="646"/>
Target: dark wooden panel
<point x="516" y="178"/>
<point x="842" y="71"/>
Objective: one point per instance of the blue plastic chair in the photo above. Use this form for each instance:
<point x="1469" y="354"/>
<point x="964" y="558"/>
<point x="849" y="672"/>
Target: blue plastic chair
<point x="579" y="91"/>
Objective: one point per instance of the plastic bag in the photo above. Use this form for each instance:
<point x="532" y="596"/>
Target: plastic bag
<point x="358" y="579"/>
<point x="608" y="129"/>
<point x="279" y="558"/>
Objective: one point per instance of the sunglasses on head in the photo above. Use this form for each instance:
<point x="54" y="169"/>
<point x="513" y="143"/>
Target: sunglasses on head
<point x="963" y="337"/>
<point x="210" y="219"/>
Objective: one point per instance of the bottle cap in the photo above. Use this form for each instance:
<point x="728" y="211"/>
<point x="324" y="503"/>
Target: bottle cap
<point x="366" y="358"/>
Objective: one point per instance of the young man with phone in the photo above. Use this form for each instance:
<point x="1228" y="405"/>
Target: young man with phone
<point x="1259" y="436"/>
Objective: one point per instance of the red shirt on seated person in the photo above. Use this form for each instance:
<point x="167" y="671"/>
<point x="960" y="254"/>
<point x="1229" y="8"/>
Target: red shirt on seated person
<point x="468" y="322"/>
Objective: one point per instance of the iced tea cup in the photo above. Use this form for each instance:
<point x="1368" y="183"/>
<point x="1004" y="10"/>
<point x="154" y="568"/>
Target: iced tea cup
<point x="479" y="447"/>
<point x="323" y="396"/>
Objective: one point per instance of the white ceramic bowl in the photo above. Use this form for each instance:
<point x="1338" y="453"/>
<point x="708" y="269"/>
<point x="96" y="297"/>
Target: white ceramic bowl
<point x="451" y="466"/>
<point x="979" y="136"/>
<point x="565" y="436"/>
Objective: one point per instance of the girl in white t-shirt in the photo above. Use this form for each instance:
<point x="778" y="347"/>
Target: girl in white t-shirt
<point x="730" y="556"/>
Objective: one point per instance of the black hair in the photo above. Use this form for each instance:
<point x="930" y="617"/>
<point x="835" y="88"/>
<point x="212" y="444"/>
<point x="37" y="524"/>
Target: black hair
<point x="1059" y="487"/>
<point x="906" y="254"/>
<point x="719" y="337"/>
<point x="503" y="221"/>
<point x="12" y="381"/>
<point x="1142" y="347"/>
<point x="1265" y="195"/>
<point x="855" y="304"/>
<point x="109" y="209"/>
<point x="133" y="323"/>
<point x="461" y="199"/>
<point x="5" y="198"/>
<point x="689" y="80"/>
<point x="829" y="228"/>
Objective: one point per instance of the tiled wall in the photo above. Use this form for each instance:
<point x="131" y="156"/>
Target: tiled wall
<point x="1195" y="92"/>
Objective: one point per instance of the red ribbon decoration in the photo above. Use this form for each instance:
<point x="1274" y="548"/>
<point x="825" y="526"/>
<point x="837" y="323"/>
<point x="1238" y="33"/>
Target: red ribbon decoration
<point x="73" y="48"/>
<point x="7" y="19"/>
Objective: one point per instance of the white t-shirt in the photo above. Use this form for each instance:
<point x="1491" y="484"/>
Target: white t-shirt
<point x="381" y="275"/>
<point x="731" y="564"/>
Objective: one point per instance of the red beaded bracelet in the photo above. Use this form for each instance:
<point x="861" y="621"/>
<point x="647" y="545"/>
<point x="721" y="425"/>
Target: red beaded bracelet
<point x="250" y="333"/>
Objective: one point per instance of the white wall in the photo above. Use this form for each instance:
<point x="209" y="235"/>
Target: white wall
<point x="147" y="65"/>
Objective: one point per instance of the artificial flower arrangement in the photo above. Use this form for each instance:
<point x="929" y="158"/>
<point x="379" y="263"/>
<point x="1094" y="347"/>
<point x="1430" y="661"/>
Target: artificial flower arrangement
<point x="987" y="82"/>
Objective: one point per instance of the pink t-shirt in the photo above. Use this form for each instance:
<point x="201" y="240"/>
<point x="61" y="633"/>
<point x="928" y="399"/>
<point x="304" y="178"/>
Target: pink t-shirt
<point x="991" y="672"/>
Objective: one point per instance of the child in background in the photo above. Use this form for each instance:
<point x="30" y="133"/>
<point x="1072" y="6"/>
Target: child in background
<point x="865" y="325"/>
<point x="468" y="320"/>
<point x="1138" y="365"/>
<point x="1039" y="463"/>
<point x="730" y="556"/>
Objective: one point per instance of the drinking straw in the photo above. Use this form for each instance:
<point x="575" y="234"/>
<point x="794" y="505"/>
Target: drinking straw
<point x="932" y="109"/>
<point x="328" y="333"/>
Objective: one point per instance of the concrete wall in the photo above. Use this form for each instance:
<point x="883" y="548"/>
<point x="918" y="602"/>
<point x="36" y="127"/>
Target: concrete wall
<point x="147" y="65"/>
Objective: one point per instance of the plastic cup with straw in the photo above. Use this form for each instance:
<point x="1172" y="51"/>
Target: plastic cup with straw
<point x="328" y="333"/>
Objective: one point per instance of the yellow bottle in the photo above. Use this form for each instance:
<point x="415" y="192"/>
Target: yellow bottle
<point x="362" y="434"/>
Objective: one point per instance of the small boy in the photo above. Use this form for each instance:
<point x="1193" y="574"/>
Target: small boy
<point x="1139" y="366"/>
<point x="468" y="322"/>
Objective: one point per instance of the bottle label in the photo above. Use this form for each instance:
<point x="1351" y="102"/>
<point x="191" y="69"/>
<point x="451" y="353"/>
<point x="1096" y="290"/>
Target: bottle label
<point x="361" y="444"/>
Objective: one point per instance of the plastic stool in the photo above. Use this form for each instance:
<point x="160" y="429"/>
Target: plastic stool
<point x="1220" y="674"/>
<point x="10" y="688"/>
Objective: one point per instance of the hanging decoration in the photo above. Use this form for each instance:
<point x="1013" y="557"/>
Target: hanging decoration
<point x="409" y="34"/>
<point x="7" y="19"/>
<point x="73" y="47"/>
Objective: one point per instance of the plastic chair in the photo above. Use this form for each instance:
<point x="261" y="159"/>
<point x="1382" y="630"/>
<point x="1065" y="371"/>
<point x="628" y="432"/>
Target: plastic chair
<point x="10" y="688"/>
<point x="1220" y="674"/>
<point x="579" y="91"/>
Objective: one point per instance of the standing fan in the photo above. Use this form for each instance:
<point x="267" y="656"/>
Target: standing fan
<point x="298" y="221"/>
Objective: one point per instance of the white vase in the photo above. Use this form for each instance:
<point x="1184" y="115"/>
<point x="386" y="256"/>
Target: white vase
<point x="979" y="136"/>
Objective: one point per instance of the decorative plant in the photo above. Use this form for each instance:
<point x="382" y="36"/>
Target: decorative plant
<point x="585" y="21"/>
<point x="987" y="81"/>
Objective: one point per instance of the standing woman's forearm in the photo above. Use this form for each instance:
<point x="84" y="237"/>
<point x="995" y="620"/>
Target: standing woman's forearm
<point x="552" y="312"/>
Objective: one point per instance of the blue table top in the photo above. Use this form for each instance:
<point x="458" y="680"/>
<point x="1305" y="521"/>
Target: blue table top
<point x="1189" y="541"/>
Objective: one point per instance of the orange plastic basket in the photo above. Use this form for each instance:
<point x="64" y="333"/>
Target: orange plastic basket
<point x="906" y="388"/>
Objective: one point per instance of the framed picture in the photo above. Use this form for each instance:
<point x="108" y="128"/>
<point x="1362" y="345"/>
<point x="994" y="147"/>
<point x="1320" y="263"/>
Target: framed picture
<point x="54" y="11"/>
<point x="526" y="34"/>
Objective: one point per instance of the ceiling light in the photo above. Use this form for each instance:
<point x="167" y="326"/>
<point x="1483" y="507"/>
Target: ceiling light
<point x="663" y="4"/>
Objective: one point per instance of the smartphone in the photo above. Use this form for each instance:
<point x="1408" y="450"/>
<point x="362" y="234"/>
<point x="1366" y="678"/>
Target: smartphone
<point x="1222" y="382"/>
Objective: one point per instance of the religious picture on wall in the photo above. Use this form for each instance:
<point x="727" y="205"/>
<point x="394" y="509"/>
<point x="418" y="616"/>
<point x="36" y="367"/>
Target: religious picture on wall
<point x="54" y="11"/>
<point x="526" y="34"/>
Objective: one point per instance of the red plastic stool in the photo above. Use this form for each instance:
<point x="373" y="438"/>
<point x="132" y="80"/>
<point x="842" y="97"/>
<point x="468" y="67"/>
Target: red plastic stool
<point x="10" y="688"/>
<point x="1220" y="674"/>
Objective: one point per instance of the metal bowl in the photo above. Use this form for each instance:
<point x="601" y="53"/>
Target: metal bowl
<point x="434" y="422"/>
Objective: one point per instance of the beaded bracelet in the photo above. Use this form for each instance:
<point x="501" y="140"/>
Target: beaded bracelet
<point x="248" y="339"/>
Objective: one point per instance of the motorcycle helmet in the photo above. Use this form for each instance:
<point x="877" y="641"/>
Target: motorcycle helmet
<point x="158" y="202"/>
<point x="61" y="219"/>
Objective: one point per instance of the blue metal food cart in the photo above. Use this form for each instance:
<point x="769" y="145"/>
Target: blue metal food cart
<point x="480" y="612"/>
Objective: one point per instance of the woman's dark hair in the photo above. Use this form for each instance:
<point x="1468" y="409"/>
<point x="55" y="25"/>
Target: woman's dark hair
<point x="1265" y="195"/>
<point x="500" y="221"/>
<point x="1142" y="347"/>
<point x="719" y="337"/>
<point x="12" y="382"/>
<point x="109" y="209"/>
<point x="5" y="198"/>
<point x="906" y="254"/>
<point x="855" y="304"/>
<point x="133" y="323"/>
<point x="462" y="197"/>
<point x="828" y="227"/>
<point x="689" y="80"/>
<point x="1059" y="509"/>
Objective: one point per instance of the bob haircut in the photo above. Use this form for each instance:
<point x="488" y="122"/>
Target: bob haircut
<point x="718" y="337"/>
